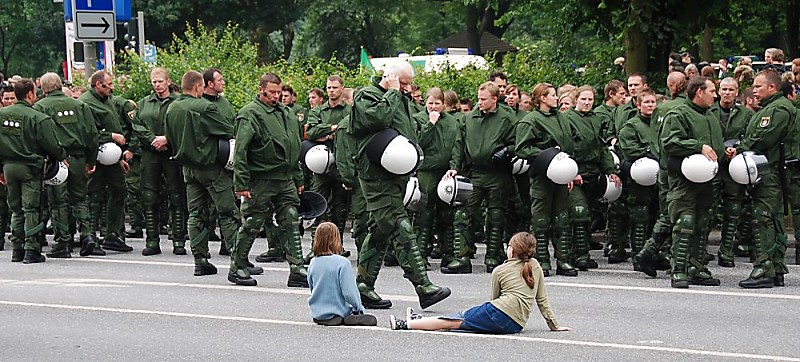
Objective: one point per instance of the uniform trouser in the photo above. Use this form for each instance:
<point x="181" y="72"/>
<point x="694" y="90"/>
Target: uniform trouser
<point x="5" y="213"/>
<point x="549" y="219"/>
<point x="330" y="187"/>
<point x="732" y="201"/>
<point x="518" y="218"/>
<point x="689" y="205"/>
<point x="581" y="219"/>
<point x="107" y="185"/>
<point x="490" y="190"/>
<point x="358" y="208"/>
<point x="134" y="199"/>
<point x="266" y="197"/>
<point x="661" y="241"/>
<point x="206" y="188"/>
<point x="618" y="223"/>
<point x="793" y="197"/>
<point x="389" y="223"/>
<point x="68" y="201"/>
<point x="24" y="191"/>
<point x="639" y="199"/>
<point x="768" y="230"/>
<point x="156" y="168"/>
<point x="436" y="218"/>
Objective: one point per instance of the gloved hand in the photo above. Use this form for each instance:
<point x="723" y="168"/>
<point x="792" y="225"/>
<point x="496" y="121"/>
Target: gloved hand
<point x="501" y="155"/>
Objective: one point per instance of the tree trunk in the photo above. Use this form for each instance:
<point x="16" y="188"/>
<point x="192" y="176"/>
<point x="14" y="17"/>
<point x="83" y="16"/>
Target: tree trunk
<point x="706" y="47"/>
<point x="288" y="40"/>
<point x="474" y="33"/>
<point x="636" y="50"/>
<point x="792" y="24"/>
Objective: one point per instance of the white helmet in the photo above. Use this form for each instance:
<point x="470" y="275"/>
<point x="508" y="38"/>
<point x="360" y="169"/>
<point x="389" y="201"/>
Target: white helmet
<point x="644" y="171"/>
<point x="519" y="166"/>
<point x="225" y="153"/>
<point x="455" y="190"/>
<point x="615" y="157"/>
<point x="55" y="173"/>
<point x="558" y="166"/>
<point x="109" y="153"/>
<point x="748" y="168"/>
<point x="319" y="159"/>
<point x="698" y="168"/>
<point x="414" y="199"/>
<point x="394" y="152"/>
<point x="611" y="192"/>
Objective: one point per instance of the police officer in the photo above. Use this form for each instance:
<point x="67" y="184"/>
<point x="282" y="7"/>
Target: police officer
<point x="771" y="127"/>
<point x="78" y="135"/>
<point x="345" y="150"/>
<point x="733" y="119"/>
<point x="321" y="125"/>
<point x="595" y="164"/>
<point x="637" y="141"/>
<point x="691" y="129"/>
<point x="541" y="129"/>
<point x="377" y="107"/>
<point x="194" y="126"/>
<point x="5" y="213"/>
<point x="483" y="150"/>
<point x="148" y="127"/>
<point x="437" y="138"/>
<point x="267" y="175"/>
<point x="126" y="109"/>
<point x="213" y="92"/>
<point x="27" y="137"/>
<point x="108" y="177"/>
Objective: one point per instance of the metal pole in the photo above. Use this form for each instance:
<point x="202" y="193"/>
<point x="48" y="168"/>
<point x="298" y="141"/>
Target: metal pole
<point x="140" y="27"/>
<point x="89" y="57"/>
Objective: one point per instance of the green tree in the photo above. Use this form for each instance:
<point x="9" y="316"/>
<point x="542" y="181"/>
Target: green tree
<point x="31" y="37"/>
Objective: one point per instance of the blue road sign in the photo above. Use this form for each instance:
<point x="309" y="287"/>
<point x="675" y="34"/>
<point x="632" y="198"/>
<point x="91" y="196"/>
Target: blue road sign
<point x="150" y="54"/>
<point x="94" y="5"/>
<point x="123" y="10"/>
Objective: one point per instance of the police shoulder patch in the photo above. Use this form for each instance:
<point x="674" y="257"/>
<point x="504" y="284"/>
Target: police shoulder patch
<point x="765" y="121"/>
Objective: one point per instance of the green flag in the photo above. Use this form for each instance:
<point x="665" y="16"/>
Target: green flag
<point x="365" y="63"/>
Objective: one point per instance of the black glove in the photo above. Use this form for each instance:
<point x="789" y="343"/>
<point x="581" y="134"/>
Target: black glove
<point x="501" y="155"/>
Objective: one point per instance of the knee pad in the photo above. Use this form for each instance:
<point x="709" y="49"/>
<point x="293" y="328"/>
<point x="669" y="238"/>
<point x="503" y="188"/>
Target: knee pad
<point x="288" y="215"/>
<point x="685" y="223"/>
<point x="151" y="197"/>
<point x="561" y="220"/>
<point x="540" y="224"/>
<point x="639" y="213"/>
<point x="581" y="213"/>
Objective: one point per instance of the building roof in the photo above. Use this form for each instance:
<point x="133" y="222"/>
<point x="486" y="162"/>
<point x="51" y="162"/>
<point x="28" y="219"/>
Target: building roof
<point x="489" y="43"/>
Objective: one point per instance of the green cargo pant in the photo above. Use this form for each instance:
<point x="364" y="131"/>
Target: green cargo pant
<point x="330" y="187"/>
<point x="107" y="189"/>
<point x="206" y="188"/>
<point x="133" y="202"/>
<point x="549" y="216"/>
<point x="358" y="209"/>
<point x="436" y="218"/>
<point x="769" y="233"/>
<point x="5" y="213"/>
<point x="69" y="201"/>
<point x="689" y="205"/>
<point x="24" y="191"/>
<point x="492" y="190"/>
<point x="157" y="167"/>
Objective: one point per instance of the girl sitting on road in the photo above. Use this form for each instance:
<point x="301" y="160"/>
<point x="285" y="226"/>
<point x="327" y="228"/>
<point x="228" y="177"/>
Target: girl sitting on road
<point x="515" y="284"/>
<point x="334" y="296"/>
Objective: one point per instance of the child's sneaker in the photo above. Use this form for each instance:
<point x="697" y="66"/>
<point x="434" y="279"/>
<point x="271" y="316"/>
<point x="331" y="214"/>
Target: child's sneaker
<point x="396" y="324"/>
<point x="410" y="315"/>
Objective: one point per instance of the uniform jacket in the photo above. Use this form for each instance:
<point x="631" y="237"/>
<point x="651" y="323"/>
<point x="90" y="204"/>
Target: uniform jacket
<point x="194" y="127"/>
<point x="27" y="136"/>
<point x="74" y="125"/>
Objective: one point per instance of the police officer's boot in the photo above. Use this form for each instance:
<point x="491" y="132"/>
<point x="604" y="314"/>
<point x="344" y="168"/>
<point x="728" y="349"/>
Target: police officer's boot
<point x="543" y="250"/>
<point x="370" y="260"/>
<point x="638" y="235"/>
<point x="698" y="272"/>
<point x="152" y="242"/>
<point x="33" y="256"/>
<point x="445" y="244"/>
<point x="616" y="253"/>
<point x="728" y="232"/>
<point x="113" y="242"/>
<point x="743" y="243"/>
<point x="650" y="256"/>
<point x="61" y="249"/>
<point x="796" y="252"/>
<point x="178" y="227"/>
<point x="424" y="233"/>
<point x="763" y="271"/>
<point x="582" y="238"/>
<point x="563" y="238"/>
<point x="680" y="256"/>
<point x="298" y="275"/>
<point x="461" y="263"/>
<point x="273" y="255"/>
<point x="494" y="243"/>
<point x="202" y="266"/>
<point x="414" y="267"/>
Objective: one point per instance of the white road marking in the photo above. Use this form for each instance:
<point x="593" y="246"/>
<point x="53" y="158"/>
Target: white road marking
<point x="449" y="334"/>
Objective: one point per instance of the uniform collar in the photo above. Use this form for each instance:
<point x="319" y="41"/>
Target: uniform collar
<point x="550" y="113"/>
<point x="55" y="93"/>
<point x="695" y="107"/>
<point x="770" y="99"/>
<point x="212" y="98"/>
<point x="94" y="93"/>
<point x="23" y="102"/>
<point x="268" y="107"/>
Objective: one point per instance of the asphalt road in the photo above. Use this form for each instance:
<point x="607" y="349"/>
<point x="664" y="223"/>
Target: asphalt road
<point x="129" y="307"/>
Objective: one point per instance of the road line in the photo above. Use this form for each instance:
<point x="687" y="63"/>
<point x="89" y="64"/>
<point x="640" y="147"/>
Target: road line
<point x="675" y="291"/>
<point x="449" y="334"/>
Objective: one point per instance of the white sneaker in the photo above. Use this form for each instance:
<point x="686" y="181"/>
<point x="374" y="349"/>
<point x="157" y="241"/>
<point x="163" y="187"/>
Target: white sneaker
<point x="396" y="324"/>
<point x="410" y="315"/>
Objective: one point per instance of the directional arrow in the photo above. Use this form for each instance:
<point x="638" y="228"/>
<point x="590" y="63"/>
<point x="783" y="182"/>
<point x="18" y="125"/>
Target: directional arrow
<point x="104" y="25"/>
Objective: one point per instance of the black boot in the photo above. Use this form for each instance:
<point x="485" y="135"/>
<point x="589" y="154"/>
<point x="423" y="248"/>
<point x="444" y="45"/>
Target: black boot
<point x="59" y="251"/>
<point x="725" y="253"/>
<point x="461" y="263"/>
<point x="112" y="242"/>
<point x="203" y="267"/>
<point x="32" y="257"/>
<point x="582" y="239"/>
<point x="17" y="255"/>
<point x="87" y="245"/>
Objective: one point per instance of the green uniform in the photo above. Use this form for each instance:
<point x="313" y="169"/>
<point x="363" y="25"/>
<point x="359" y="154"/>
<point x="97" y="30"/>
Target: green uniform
<point x="637" y="139"/>
<point x="773" y="125"/>
<point x="329" y="185"/>
<point x="618" y="212"/>
<point x="5" y="215"/>
<point x="376" y="109"/>
<point x="437" y="142"/>
<point x="133" y="201"/>
<point x="686" y="129"/>
<point x="605" y="116"/>
<point x="229" y="116"/>
<point x="194" y="127"/>
<point x="76" y="131"/>
<point x="345" y="150"/>
<point x="549" y="201"/>
<point x="734" y="123"/>
<point x="158" y="168"/>
<point x="483" y="134"/>
<point x="594" y="164"/>
<point x="518" y="217"/>
<point x="266" y="163"/>
<point x="107" y="183"/>
<point x="27" y="136"/>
